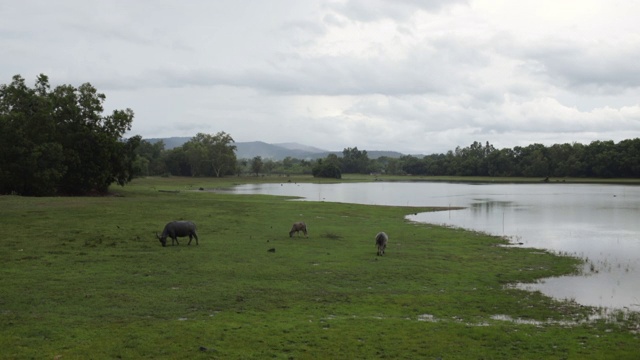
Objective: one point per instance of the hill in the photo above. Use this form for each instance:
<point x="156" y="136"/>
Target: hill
<point x="249" y="150"/>
<point x="276" y="152"/>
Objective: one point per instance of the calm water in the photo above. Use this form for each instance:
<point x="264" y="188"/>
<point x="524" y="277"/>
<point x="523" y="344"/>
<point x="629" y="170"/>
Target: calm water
<point x="599" y="223"/>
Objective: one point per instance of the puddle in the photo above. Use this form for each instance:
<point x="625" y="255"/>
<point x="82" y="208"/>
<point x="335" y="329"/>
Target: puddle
<point x="602" y="289"/>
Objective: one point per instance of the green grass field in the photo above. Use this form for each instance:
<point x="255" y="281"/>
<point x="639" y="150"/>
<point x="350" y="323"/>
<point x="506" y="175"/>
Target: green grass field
<point x="86" y="278"/>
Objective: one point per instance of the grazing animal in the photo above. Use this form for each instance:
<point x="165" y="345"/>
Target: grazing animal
<point x="176" y="229"/>
<point x="381" y="242"/>
<point x="297" y="227"/>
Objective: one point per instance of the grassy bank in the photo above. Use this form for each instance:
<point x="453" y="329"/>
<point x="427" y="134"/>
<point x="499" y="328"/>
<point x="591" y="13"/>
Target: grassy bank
<point x="180" y="183"/>
<point x="86" y="278"/>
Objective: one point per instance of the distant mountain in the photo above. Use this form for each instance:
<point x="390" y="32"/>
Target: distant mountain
<point x="296" y="146"/>
<point x="276" y="152"/>
<point x="249" y="150"/>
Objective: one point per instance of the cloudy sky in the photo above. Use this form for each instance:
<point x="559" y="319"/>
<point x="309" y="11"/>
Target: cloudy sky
<point x="419" y="77"/>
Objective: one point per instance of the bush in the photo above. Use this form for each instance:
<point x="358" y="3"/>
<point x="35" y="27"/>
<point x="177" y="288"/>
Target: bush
<point x="327" y="171"/>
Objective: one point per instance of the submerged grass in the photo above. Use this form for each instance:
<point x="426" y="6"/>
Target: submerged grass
<point x="86" y="278"/>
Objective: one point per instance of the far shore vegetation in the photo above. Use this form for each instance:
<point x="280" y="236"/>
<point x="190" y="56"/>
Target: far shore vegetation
<point x="562" y="162"/>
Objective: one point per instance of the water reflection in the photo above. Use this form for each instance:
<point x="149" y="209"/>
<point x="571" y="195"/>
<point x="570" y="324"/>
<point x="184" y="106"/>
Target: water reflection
<point x="598" y="223"/>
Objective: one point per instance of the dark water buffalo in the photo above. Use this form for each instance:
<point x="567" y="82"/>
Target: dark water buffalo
<point x="299" y="226"/>
<point x="381" y="242"/>
<point x="176" y="229"/>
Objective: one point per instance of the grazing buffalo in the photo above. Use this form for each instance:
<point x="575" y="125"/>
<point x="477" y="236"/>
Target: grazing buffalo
<point x="176" y="229"/>
<point x="381" y="242"/>
<point x="297" y="227"/>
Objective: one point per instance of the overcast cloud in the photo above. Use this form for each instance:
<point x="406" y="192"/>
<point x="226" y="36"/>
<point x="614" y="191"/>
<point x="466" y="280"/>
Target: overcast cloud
<point x="419" y="77"/>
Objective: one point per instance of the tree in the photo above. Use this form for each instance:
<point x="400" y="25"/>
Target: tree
<point x="629" y="151"/>
<point x="603" y="159"/>
<point x="223" y="155"/>
<point x="32" y="161"/>
<point x="241" y="166"/>
<point x="412" y="165"/>
<point x="59" y="141"/>
<point x="532" y="160"/>
<point x="268" y="166"/>
<point x="435" y="164"/>
<point x="176" y="162"/>
<point x="256" y="165"/>
<point x="389" y="165"/>
<point x="149" y="158"/>
<point x="355" y="161"/>
<point x="211" y="154"/>
<point x="288" y="162"/>
<point x="196" y="153"/>
<point x="92" y="142"/>
<point x="327" y="168"/>
<point x="501" y="163"/>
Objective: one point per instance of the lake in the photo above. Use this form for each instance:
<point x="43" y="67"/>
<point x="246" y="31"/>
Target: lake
<point x="598" y="223"/>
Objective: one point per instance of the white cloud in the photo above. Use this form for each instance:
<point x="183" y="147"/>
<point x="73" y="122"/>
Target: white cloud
<point x="413" y="76"/>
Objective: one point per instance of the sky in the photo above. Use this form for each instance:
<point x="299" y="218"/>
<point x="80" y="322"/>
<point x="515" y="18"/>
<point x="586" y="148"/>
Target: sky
<point x="418" y="77"/>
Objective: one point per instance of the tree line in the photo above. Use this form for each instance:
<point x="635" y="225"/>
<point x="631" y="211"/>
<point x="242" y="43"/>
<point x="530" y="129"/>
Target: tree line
<point x="602" y="159"/>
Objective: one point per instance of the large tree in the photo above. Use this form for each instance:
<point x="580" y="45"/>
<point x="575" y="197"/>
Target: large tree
<point x="355" y="161"/>
<point x="59" y="142"/>
<point x="257" y="165"/>
<point x="328" y="167"/>
<point x="211" y="154"/>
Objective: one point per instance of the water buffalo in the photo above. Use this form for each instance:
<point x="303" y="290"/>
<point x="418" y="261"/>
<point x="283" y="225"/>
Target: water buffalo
<point x="381" y="242"/>
<point x="176" y="229"/>
<point x="299" y="226"/>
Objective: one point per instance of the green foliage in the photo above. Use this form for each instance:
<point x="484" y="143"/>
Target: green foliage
<point x="256" y="165"/>
<point x="412" y="165"/>
<point x="355" y="161"/>
<point x="149" y="159"/>
<point x="88" y="278"/>
<point x="203" y="155"/>
<point x="326" y="169"/>
<point x="176" y="162"/>
<point x="59" y="142"/>
<point x="598" y="159"/>
<point x="602" y="159"/>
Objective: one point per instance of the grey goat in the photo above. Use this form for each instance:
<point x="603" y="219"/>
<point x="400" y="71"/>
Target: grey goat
<point x="381" y="242"/>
